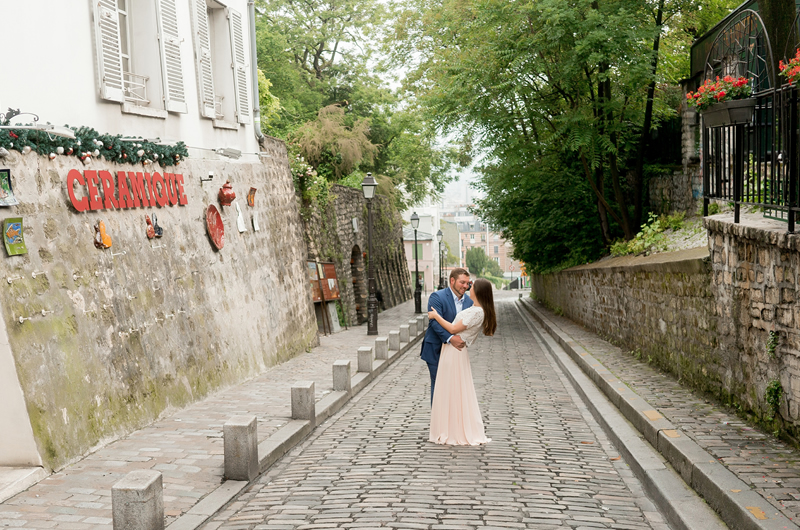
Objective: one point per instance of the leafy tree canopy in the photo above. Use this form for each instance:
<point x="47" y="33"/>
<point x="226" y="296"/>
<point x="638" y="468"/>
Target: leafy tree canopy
<point x="560" y="99"/>
<point x="336" y="111"/>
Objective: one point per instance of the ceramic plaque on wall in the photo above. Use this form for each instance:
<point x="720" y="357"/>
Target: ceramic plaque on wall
<point x="13" y="237"/>
<point x="216" y="229"/>
<point x="7" y="197"/>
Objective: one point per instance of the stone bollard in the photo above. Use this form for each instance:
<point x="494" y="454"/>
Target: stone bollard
<point x="240" y="441"/>
<point x="404" y="333"/>
<point x="365" y="359"/>
<point x="303" y="405"/>
<point x="412" y="328"/>
<point x="341" y="376"/>
<point x="425" y="322"/>
<point x="394" y="340"/>
<point x="381" y="348"/>
<point x="421" y="324"/>
<point x="137" y="501"/>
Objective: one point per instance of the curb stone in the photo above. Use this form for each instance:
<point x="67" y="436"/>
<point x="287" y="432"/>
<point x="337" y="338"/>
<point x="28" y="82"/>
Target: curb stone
<point x="730" y="497"/>
<point x="286" y="438"/>
<point x="680" y="505"/>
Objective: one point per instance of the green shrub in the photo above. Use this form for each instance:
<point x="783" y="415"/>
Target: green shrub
<point x="773" y="396"/>
<point x="650" y="238"/>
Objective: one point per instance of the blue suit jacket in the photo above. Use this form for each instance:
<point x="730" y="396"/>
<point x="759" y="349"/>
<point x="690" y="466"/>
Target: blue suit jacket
<point x="436" y="335"/>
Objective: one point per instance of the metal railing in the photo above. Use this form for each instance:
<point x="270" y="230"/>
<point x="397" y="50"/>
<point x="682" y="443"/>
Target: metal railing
<point x="135" y="87"/>
<point x="755" y="163"/>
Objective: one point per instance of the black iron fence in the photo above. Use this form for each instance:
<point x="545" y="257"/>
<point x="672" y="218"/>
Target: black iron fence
<point x="755" y="161"/>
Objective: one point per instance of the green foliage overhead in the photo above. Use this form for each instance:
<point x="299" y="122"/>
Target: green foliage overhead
<point x="560" y="99"/>
<point x="336" y="108"/>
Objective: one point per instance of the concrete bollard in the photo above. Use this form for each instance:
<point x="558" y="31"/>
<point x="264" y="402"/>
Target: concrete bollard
<point x="425" y="322"/>
<point x="365" y="359"/>
<point x="137" y="501"/>
<point x="404" y="333"/>
<point x="394" y="340"/>
<point x="341" y="376"/>
<point x="412" y="328"/>
<point x="421" y="324"/>
<point x="303" y="405"/>
<point x="240" y="441"/>
<point x="382" y="348"/>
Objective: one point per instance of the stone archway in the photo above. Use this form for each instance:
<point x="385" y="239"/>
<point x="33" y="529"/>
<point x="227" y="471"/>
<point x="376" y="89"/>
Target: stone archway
<point x="359" y="283"/>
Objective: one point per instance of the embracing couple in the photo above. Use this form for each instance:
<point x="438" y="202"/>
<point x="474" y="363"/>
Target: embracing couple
<point x="456" y="319"/>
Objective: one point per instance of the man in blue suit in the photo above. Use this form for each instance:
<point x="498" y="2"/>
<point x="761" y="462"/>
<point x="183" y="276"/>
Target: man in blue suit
<point x="448" y="302"/>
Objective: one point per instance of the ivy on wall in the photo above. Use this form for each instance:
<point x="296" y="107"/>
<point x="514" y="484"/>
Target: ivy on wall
<point x="88" y="144"/>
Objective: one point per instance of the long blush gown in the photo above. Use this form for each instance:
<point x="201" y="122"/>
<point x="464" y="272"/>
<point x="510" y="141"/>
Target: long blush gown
<point x="455" y="416"/>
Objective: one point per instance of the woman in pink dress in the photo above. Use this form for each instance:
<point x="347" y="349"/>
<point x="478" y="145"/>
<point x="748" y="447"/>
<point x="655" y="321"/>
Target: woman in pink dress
<point x="455" y="416"/>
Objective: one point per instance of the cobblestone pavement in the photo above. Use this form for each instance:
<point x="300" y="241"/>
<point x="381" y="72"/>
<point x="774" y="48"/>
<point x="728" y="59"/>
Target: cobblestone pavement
<point x="548" y="466"/>
<point x="186" y="446"/>
<point x="771" y="467"/>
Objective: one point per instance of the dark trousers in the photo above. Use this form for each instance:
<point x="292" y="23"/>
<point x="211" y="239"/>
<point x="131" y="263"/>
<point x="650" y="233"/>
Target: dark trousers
<point x="433" y="368"/>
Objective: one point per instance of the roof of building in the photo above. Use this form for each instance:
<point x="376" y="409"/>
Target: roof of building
<point x="408" y="235"/>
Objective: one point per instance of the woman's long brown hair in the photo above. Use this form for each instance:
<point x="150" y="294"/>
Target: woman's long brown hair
<point x="482" y="288"/>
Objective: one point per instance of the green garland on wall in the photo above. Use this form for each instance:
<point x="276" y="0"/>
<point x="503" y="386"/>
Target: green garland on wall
<point x="89" y="144"/>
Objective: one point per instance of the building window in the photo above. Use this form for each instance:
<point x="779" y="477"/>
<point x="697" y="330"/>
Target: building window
<point x="416" y="251"/>
<point x="483" y="237"/>
<point x="139" y="60"/>
<point x="221" y="64"/>
<point x="472" y="237"/>
<point x="496" y="249"/>
<point x="496" y="259"/>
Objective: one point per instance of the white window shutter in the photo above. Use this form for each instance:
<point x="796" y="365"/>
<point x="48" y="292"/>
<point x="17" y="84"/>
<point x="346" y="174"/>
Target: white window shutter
<point x="239" y="66"/>
<point x="109" y="56"/>
<point x="171" y="67"/>
<point x="203" y="52"/>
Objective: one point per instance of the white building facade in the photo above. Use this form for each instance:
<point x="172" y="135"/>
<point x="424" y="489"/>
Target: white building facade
<point x="172" y="70"/>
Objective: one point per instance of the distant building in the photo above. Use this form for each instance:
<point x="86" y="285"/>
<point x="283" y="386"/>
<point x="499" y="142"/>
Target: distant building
<point x="428" y="260"/>
<point x="477" y="234"/>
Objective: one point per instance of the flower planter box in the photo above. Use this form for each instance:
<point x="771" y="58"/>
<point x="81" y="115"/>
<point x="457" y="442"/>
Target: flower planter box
<point x="734" y="112"/>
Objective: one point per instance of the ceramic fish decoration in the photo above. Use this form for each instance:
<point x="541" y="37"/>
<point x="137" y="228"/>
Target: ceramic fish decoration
<point x="157" y="229"/>
<point x="151" y="232"/>
<point x="101" y="239"/>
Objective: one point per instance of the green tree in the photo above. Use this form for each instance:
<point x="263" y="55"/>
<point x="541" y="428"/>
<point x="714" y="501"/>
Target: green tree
<point x="336" y="110"/>
<point x="493" y="269"/>
<point x="477" y="260"/>
<point x="551" y="91"/>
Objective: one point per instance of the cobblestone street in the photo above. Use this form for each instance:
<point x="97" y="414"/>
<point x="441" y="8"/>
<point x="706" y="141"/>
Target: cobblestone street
<point x="548" y="466"/>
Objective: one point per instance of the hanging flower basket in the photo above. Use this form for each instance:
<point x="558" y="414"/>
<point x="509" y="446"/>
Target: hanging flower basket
<point x="733" y="112"/>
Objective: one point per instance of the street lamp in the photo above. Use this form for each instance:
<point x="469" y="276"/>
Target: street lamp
<point x="417" y="287"/>
<point x="443" y="252"/>
<point x="439" y="239"/>
<point x="368" y="186"/>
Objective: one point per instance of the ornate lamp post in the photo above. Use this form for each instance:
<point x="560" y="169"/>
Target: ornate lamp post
<point x="417" y="287"/>
<point x="368" y="186"/>
<point x="439" y="239"/>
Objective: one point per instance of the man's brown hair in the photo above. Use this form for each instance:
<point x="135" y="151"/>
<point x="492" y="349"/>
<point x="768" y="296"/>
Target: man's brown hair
<point x="455" y="273"/>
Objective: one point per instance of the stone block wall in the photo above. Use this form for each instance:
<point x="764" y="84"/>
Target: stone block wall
<point x="704" y="315"/>
<point x="331" y="237"/>
<point x="656" y="306"/>
<point x="112" y="338"/>
<point x="755" y="280"/>
<point x="679" y="191"/>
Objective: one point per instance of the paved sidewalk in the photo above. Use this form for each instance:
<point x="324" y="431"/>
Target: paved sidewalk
<point x="770" y="467"/>
<point x="549" y="465"/>
<point x="186" y="445"/>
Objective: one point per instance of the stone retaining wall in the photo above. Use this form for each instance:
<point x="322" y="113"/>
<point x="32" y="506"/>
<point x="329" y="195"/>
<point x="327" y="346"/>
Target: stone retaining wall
<point x="704" y="315"/>
<point x="333" y="238"/>
<point x="112" y="338"/>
